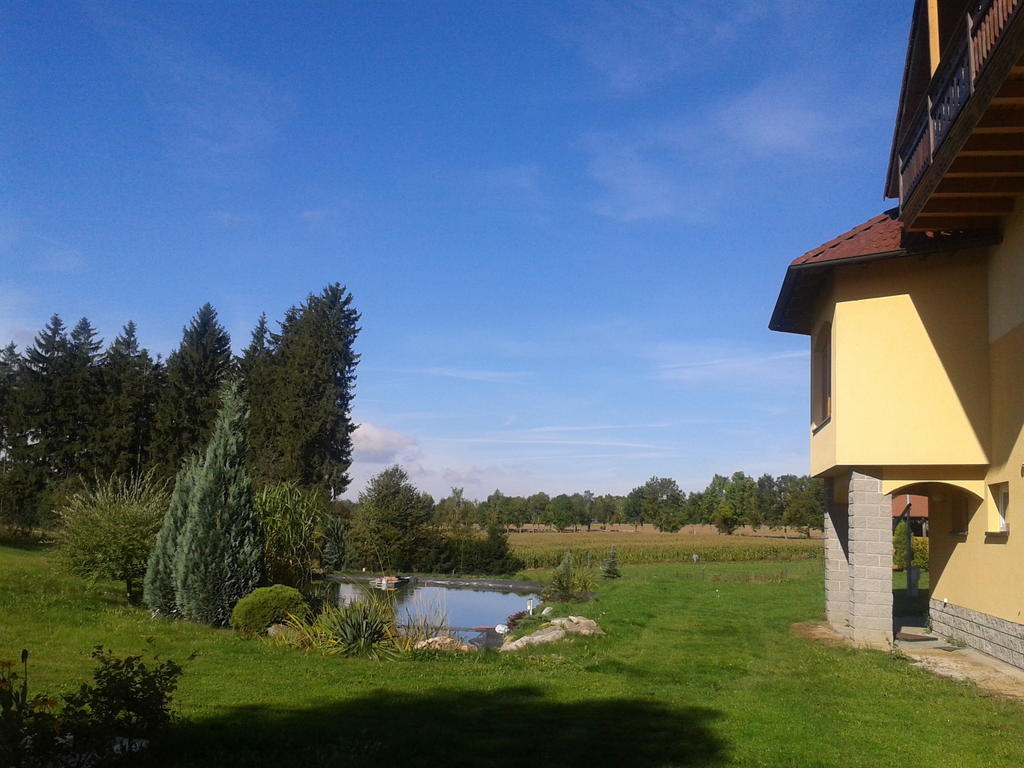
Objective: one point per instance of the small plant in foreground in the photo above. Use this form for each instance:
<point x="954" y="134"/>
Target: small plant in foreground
<point x="569" y="581"/>
<point x="265" y="606"/>
<point x="610" y="566"/>
<point x="126" y="702"/>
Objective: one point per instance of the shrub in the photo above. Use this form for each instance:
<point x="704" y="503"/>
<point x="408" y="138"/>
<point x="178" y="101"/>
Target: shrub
<point x="219" y="556"/>
<point x="295" y="522"/>
<point x="127" y="700"/>
<point x="920" y="546"/>
<point x="267" y="605"/>
<point x="107" y="531"/>
<point x="610" y="566"/>
<point x="362" y="628"/>
<point x="569" y="581"/>
<point x="899" y="546"/>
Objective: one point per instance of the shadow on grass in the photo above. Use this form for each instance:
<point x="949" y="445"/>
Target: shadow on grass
<point x="511" y="727"/>
<point x="25" y="542"/>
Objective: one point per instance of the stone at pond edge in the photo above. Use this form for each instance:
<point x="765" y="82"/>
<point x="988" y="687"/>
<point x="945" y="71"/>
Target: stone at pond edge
<point x="443" y="643"/>
<point x="555" y="631"/>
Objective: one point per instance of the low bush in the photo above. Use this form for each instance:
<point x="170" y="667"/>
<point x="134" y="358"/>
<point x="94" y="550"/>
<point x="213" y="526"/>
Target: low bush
<point x="265" y="606"/>
<point x="546" y="550"/>
<point x="127" y="702"/>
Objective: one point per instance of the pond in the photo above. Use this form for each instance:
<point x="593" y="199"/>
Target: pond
<point x="463" y="607"/>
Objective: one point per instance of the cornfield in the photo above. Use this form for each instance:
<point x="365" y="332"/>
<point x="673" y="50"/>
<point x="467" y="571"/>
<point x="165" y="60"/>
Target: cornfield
<point x="545" y="550"/>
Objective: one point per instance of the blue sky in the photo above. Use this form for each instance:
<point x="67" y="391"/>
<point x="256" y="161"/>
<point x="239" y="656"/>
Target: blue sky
<point x="565" y="224"/>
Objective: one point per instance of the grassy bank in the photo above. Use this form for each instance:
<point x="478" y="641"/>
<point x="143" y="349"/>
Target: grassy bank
<point x="692" y="672"/>
<point x="545" y="549"/>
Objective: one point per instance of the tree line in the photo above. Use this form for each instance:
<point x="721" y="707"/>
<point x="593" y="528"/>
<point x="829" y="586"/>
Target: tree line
<point x="73" y="410"/>
<point x="727" y="502"/>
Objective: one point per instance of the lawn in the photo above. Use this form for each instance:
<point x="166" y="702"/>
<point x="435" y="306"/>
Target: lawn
<point x="699" y="668"/>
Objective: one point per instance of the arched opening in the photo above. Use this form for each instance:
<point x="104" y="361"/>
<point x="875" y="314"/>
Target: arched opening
<point x="938" y="516"/>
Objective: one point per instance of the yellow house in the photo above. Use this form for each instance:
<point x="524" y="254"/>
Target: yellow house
<point x="916" y="324"/>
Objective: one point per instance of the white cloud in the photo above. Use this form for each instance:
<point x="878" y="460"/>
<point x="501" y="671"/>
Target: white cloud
<point x="377" y="445"/>
<point x="700" y="364"/>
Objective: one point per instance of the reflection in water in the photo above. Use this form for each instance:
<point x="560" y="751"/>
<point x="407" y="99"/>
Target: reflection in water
<point x="458" y="608"/>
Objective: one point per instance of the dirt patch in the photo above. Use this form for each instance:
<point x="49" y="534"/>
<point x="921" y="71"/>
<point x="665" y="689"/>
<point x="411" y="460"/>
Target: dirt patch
<point x="818" y="631"/>
<point x="990" y="675"/>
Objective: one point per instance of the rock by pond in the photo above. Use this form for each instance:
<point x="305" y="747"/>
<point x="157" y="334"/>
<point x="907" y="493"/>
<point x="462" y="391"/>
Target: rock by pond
<point x="556" y="630"/>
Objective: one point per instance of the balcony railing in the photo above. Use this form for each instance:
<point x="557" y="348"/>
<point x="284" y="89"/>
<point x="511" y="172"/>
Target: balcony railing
<point x="952" y="85"/>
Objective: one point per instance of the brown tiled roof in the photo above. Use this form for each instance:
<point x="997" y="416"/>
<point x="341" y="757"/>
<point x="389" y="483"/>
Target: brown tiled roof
<point x="879" y="238"/>
<point x="882" y="235"/>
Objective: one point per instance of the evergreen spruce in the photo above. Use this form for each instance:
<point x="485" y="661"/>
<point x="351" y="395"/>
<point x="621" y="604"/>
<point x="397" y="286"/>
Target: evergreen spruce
<point x="194" y="374"/>
<point x="131" y="384"/>
<point x="159" y="585"/>
<point x="301" y="426"/>
<point x="220" y="551"/>
<point x="610" y="566"/>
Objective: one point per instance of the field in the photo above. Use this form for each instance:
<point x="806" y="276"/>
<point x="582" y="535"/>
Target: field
<point x="694" y="672"/>
<point x="539" y="549"/>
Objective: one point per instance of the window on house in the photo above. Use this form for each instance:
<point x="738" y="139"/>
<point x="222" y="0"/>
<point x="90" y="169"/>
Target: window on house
<point x="823" y="374"/>
<point x="1001" y="493"/>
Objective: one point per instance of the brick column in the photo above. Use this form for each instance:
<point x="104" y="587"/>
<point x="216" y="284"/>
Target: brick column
<point x="870" y="518"/>
<point x="837" y="564"/>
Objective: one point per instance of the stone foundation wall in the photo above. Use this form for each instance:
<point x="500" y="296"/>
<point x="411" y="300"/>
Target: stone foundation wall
<point x="997" y="637"/>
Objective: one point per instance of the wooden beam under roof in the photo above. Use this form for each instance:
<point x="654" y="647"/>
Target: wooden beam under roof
<point x="1011" y="92"/>
<point x="984" y="186"/>
<point x="986" y="166"/>
<point x="993" y="144"/>
<point x="970" y="206"/>
<point x="1001" y="119"/>
<point x="932" y="222"/>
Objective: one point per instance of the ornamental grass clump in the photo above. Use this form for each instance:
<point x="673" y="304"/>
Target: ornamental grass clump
<point x="107" y="530"/>
<point x="364" y="627"/>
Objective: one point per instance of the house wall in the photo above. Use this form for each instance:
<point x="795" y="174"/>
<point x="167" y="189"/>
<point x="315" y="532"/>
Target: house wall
<point x="910" y="364"/>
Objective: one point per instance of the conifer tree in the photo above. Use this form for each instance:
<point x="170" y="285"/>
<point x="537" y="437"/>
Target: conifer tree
<point x="131" y="384"/>
<point x="194" y="374"/>
<point x="158" y="591"/>
<point x="303" y="430"/>
<point x="219" y="553"/>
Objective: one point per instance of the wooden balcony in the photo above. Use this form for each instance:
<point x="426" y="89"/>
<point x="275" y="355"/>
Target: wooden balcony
<point x="961" y="158"/>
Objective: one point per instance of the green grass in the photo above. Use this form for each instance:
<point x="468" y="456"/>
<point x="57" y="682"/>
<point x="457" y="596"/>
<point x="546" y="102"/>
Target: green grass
<point x="694" y="671"/>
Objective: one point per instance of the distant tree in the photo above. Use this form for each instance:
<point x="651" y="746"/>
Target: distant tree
<point x="518" y="511"/>
<point x="741" y="493"/>
<point x="537" y="507"/>
<point x="727" y="516"/>
<point x="769" y="503"/>
<point x="659" y="501"/>
<point x="561" y="512"/>
<point x="455" y="510"/>
<point x="390" y="524"/>
<point x="606" y="509"/>
<point x="219" y="558"/>
<point x="805" y="507"/>
<point x="188" y="406"/>
<point x="301" y="426"/>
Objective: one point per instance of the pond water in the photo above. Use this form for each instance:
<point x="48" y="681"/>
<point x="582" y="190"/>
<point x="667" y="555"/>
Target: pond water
<point x="458" y="607"/>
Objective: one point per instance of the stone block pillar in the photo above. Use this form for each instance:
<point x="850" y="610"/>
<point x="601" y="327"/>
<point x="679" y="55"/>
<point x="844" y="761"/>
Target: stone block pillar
<point x="837" y="563"/>
<point x="870" y="561"/>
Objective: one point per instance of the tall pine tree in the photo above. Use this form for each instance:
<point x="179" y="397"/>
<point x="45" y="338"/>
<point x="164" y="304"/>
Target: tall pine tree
<point x="188" y="405"/>
<point x="301" y="425"/>
<point x="219" y="554"/>
<point x="131" y="384"/>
